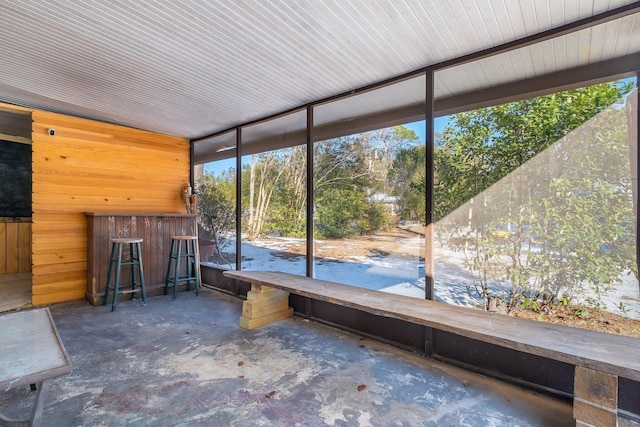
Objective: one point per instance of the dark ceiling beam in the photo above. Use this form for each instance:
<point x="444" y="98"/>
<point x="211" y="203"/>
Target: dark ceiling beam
<point x="381" y="120"/>
<point x="562" y="30"/>
<point x="488" y="97"/>
<point x="586" y="75"/>
<point x="322" y="133"/>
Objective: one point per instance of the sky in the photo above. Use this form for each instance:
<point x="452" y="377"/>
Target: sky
<point x="417" y="127"/>
<point x="420" y="130"/>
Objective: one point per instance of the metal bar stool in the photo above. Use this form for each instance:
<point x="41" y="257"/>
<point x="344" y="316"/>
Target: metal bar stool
<point x="192" y="268"/>
<point x="116" y="262"/>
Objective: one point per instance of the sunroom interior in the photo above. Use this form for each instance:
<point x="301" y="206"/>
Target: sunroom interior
<point x="147" y="99"/>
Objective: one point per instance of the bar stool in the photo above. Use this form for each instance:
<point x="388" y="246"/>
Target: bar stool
<point x="116" y="262"/>
<point x="192" y="269"/>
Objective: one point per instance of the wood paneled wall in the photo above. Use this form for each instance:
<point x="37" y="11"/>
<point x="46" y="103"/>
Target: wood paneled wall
<point x="89" y="166"/>
<point x="15" y="245"/>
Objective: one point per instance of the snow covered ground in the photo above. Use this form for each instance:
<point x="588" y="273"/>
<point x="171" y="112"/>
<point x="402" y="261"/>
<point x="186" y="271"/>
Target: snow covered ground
<point x="400" y="274"/>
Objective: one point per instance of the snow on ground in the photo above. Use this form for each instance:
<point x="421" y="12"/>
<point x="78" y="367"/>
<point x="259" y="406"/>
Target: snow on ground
<point x="400" y="274"/>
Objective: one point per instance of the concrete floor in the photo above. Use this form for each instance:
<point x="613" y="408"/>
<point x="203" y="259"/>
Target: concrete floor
<point x="15" y="291"/>
<point x="186" y="363"/>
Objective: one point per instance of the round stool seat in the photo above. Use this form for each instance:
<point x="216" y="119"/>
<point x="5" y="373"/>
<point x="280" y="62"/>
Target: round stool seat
<point x="183" y="238"/>
<point x="126" y="240"/>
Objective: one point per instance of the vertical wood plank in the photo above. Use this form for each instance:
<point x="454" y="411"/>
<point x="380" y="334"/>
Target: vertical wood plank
<point x="24" y="247"/>
<point x="595" y="397"/>
<point x="92" y="266"/>
<point x="106" y="226"/>
<point x="143" y="232"/>
<point x="593" y="415"/>
<point x="127" y="232"/>
<point x="162" y="241"/>
<point x="159" y="247"/>
<point x="597" y="387"/>
<point x="118" y="226"/>
<point x="101" y="248"/>
<point x="12" y="248"/>
<point x="155" y="230"/>
<point x="135" y="233"/>
<point x="3" y="248"/>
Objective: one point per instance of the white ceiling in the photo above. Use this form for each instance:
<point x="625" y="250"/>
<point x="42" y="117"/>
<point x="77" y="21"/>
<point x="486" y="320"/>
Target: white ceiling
<point x="192" y="68"/>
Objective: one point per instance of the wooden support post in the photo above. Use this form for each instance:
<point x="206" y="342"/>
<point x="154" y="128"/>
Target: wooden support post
<point x="595" y="398"/>
<point x="264" y="305"/>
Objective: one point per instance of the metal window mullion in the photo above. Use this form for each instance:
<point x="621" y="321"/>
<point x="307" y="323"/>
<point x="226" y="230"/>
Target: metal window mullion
<point x="238" y="198"/>
<point x="429" y="267"/>
<point x="310" y="264"/>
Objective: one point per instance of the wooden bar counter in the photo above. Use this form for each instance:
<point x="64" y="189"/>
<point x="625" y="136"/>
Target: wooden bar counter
<point x="154" y="228"/>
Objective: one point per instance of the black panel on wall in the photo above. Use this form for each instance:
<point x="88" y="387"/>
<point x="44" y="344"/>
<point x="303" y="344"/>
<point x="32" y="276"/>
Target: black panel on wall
<point x="15" y="179"/>
<point x="629" y="395"/>
<point x="404" y="334"/>
<point x="548" y="373"/>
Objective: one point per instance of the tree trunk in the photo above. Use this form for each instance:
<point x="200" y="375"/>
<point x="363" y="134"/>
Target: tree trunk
<point x="252" y="185"/>
<point x="632" y="126"/>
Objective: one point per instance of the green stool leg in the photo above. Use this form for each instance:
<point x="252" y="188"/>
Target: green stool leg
<point x="133" y="270"/>
<point x="109" y="271"/>
<point x="141" y="273"/>
<point x="177" y="270"/>
<point x="166" y="280"/>
<point x="187" y="269"/>
<point x="116" y="289"/>
<point x="196" y="266"/>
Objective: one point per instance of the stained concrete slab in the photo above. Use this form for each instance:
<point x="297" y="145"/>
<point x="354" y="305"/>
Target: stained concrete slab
<point x="187" y="363"/>
<point x="15" y="289"/>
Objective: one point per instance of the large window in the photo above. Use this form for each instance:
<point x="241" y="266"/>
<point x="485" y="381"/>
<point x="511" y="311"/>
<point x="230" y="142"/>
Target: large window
<point x="215" y="185"/>
<point x="274" y="195"/>
<point x="369" y="199"/>
<point x="534" y="204"/>
<point x="534" y="199"/>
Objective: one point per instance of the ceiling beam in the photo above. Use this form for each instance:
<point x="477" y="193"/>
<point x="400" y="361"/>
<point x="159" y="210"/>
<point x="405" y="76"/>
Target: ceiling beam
<point x="510" y="92"/>
<point x="574" y="78"/>
<point x="562" y="30"/>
